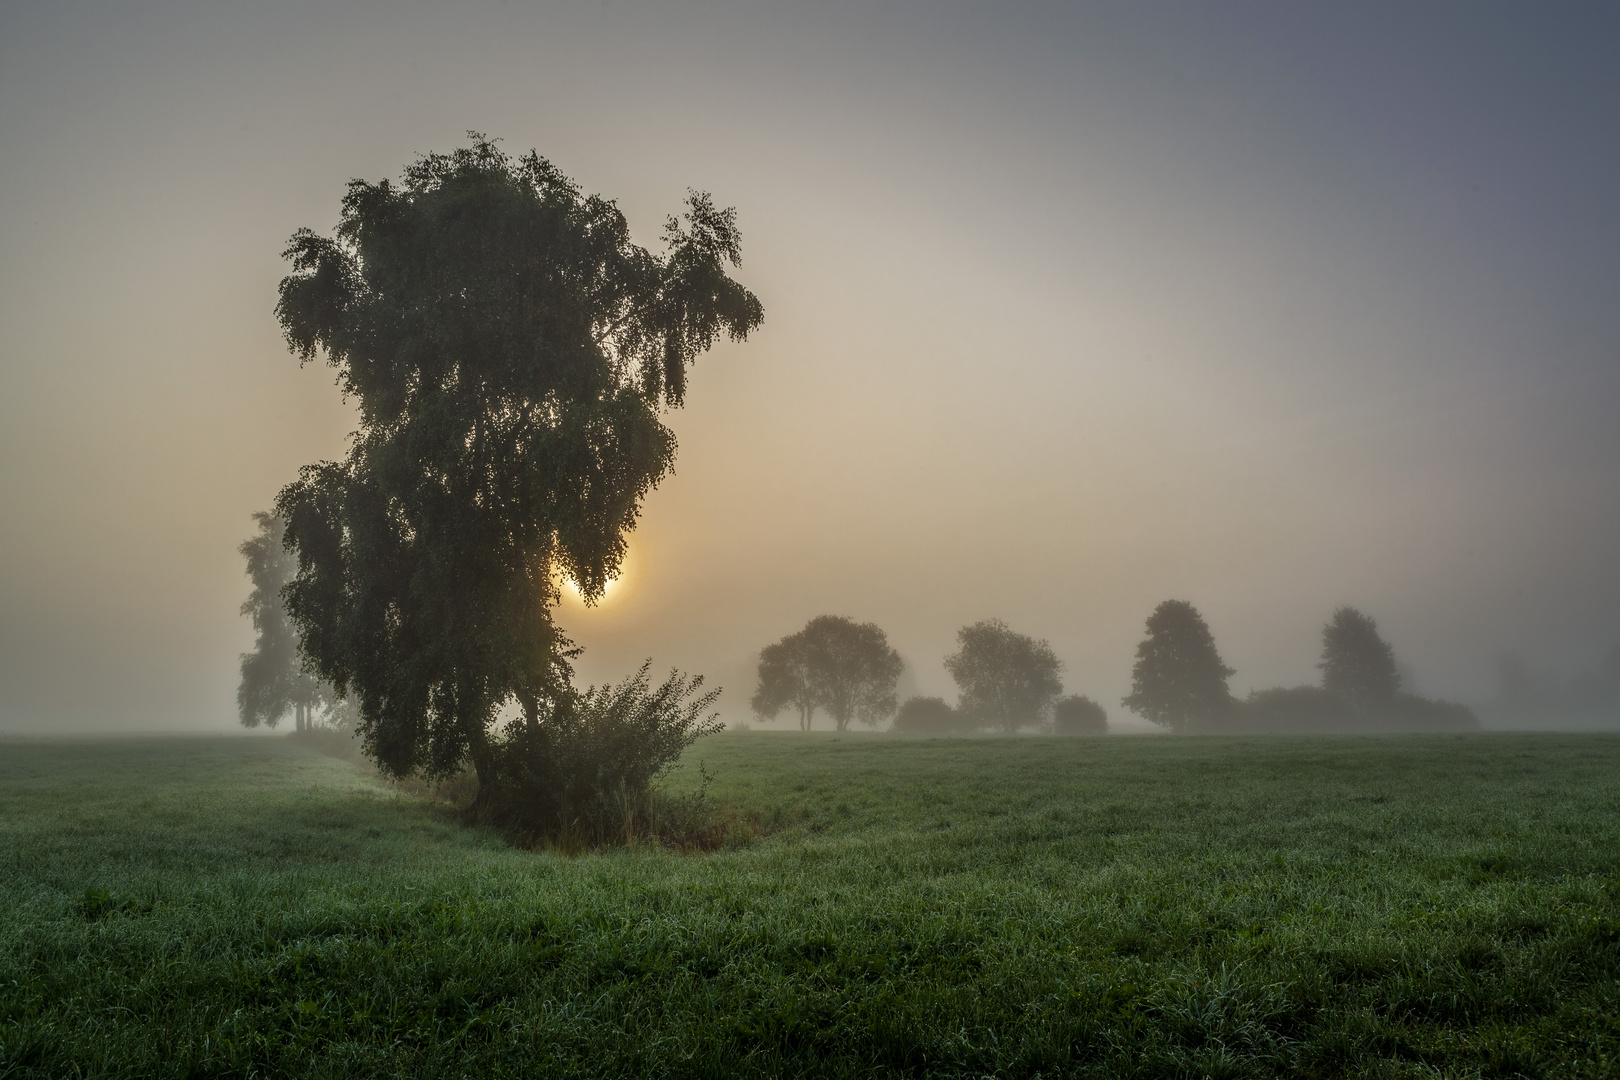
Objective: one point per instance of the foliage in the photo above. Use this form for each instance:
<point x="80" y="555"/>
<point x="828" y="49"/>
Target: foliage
<point x="510" y="351"/>
<point x="785" y="681"/>
<point x="1311" y="709"/>
<point x="274" y="682"/>
<point x="1179" y="680"/>
<point x="834" y="663"/>
<point x="1292" y="708"/>
<point x="1358" y="666"/>
<point x="1439" y="905"/>
<point x="1078" y="715"/>
<point x="588" y="768"/>
<point x="930" y="716"/>
<point x="1006" y="680"/>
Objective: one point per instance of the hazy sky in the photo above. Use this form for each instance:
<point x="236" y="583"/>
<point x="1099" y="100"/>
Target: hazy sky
<point x="1070" y="309"/>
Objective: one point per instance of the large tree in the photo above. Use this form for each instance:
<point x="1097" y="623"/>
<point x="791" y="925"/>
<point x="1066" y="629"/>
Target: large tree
<point x="1179" y="679"/>
<point x="274" y="682"/>
<point x="511" y="353"/>
<point x="1358" y="666"/>
<point x="833" y="663"/>
<point x="1005" y="679"/>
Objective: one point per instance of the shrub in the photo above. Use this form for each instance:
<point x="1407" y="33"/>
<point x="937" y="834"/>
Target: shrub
<point x="1293" y="708"/>
<point x="1313" y="709"/>
<point x="1078" y="715"/>
<point x="930" y="716"/>
<point x="587" y="770"/>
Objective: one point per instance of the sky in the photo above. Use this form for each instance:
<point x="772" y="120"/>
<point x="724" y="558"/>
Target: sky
<point x="1070" y="309"/>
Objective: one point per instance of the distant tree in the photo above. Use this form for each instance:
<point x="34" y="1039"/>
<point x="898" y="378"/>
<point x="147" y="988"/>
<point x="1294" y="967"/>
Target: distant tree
<point x="785" y="682"/>
<point x="929" y="716"/>
<point x="1358" y="666"/>
<point x="511" y="353"/>
<point x="1006" y="680"/>
<point x="835" y="664"/>
<point x="853" y="671"/>
<point x="1078" y="715"/>
<point x="1179" y="679"/>
<point x="273" y="680"/>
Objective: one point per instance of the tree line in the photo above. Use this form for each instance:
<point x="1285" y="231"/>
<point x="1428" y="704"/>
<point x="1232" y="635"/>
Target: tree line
<point x="1007" y="682"/>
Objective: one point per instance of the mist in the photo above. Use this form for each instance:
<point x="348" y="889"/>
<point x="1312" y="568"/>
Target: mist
<point x="1069" y="313"/>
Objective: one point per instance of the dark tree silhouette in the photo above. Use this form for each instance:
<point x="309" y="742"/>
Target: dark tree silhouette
<point x="784" y="681"/>
<point x="834" y="663"/>
<point x="273" y="680"/>
<point x="1005" y="680"/>
<point x="1179" y="679"/>
<point x="929" y="716"/>
<point x="511" y="352"/>
<point x="1358" y="666"/>
<point x="1078" y="715"/>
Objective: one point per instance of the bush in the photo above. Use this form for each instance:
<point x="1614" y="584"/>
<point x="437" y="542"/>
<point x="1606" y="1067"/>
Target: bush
<point x="1313" y="709"/>
<point x="1078" y="715"/>
<point x="586" y="772"/>
<point x="930" y="716"/>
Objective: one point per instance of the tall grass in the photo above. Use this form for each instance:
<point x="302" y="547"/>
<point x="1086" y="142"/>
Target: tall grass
<point x="1423" y="906"/>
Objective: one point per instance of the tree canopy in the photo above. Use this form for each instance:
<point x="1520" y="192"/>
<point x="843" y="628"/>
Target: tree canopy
<point x="929" y="716"/>
<point x="511" y="352"/>
<point x="1358" y="666"/>
<point x="833" y="663"/>
<point x="273" y="680"/>
<point x="1078" y="715"/>
<point x="1178" y="679"/>
<point x="1005" y="679"/>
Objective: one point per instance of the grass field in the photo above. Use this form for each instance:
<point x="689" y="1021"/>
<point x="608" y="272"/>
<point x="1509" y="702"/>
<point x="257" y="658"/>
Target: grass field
<point x="1398" y="906"/>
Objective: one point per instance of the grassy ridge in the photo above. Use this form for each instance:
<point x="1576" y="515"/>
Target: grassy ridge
<point x="1419" y="906"/>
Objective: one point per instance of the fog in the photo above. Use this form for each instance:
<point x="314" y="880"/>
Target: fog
<point x="1067" y="313"/>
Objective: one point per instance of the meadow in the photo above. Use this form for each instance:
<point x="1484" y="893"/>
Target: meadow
<point x="1151" y="907"/>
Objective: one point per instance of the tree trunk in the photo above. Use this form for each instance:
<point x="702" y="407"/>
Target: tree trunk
<point x="531" y="712"/>
<point x="483" y="759"/>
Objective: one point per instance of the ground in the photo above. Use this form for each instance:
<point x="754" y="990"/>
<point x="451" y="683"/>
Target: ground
<point x="1381" y="906"/>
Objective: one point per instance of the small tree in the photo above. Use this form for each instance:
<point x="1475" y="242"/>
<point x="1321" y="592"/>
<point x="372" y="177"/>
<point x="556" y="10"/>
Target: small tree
<point x="929" y="716"/>
<point x="1358" y="666"/>
<point x="273" y="680"/>
<point x="1078" y="715"/>
<point x="1005" y="679"/>
<point x="784" y="681"/>
<point x="1179" y="678"/>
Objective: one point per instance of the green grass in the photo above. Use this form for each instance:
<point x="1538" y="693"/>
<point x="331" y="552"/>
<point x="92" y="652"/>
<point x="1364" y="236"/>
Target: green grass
<point x="1418" y="906"/>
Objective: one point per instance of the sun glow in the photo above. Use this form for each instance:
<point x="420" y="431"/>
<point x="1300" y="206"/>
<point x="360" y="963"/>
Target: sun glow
<point x="571" y="592"/>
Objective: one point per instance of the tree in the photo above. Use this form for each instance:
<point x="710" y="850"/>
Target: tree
<point x="834" y="663"/>
<point x="273" y="680"/>
<point x="1078" y="715"/>
<point x="784" y="681"/>
<point x="853" y="670"/>
<point x="511" y="352"/>
<point x="1005" y="679"/>
<point x="1178" y="679"/>
<point x="929" y="716"/>
<point x="1358" y="666"/>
